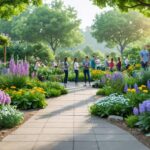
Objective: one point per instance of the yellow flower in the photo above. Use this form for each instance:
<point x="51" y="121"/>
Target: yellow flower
<point x="140" y="88"/>
<point x="129" y="90"/>
<point x="145" y="91"/>
<point x="133" y="91"/>
<point x="143" y="86"/>
<point x="13" y="87"/>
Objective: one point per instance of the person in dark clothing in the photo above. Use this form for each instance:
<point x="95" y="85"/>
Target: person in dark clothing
<point x="86" y="71"/>
<point x="66" y="66"/>
<point x="119" y="64"/>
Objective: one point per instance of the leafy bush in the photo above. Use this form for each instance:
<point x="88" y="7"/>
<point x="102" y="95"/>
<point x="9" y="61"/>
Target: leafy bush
<point x="111" y="105"/>
<point x="108" y="90"/>
<point x="145" y="76"/>
<point x="52" y="92"/>
<point x="28" y="98"/>
<point x="9" y="81"/>
<point x="131" y="121"/>
<point x="116" y="82"/>
<point x="129" y="80"/>
<point x="9" y="116"/>
<point x="144" y="122"/>
<point x="100" y="92"/>
<point x="136" y="98"/>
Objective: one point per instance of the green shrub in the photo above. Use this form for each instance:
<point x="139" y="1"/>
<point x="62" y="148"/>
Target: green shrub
<point x="108" y="90"/>
<point x="136" y="98"/>
<point x="9" y="116"/>
<point x="144" y="122"/>
<point x="100" y="92"/>
<point x="131" y="121"/>
<point x="28" y="98"/>
<point x="52" y="92"/>
<point x="145" y="76"/>
<point x="111" y="105"/>
<point x="11" y="80"/>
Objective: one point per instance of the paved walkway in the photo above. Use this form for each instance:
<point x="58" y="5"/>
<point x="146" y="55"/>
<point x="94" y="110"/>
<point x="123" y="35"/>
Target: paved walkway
<point x="66" y="125"/>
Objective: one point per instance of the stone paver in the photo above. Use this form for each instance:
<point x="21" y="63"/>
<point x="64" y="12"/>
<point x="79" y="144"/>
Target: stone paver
<point x="67" y="125"/>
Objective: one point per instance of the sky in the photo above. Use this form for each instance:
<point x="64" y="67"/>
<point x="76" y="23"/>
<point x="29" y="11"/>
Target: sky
<point x="85" y="9"/>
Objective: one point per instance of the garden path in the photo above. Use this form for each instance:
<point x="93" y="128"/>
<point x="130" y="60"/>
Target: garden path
<point x="66" y="124"/>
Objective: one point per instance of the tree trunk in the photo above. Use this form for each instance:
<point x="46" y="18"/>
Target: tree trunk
<point x="5" y="54"/>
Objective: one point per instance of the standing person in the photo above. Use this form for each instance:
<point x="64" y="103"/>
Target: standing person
<point x="66" y="66"/>
<point x="127" y="64"/>
<point x="76" y="70"/>
<point x="144" y="54"/>
<point x="97" y="62"/>
<point x="93" y="62"/>
<point x="119" y="64"/>
<point x="86" y="71"/>
<point x="111" y="65"/>
<point x="106" y="62"/>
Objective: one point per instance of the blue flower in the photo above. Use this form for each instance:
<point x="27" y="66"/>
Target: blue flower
<point x="135" y="111"/>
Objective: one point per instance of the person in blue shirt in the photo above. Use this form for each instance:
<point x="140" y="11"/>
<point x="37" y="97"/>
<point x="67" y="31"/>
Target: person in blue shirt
<point x="93" y="62"/>
<point x="144" y="54"/>
<point x="86" y="71"/>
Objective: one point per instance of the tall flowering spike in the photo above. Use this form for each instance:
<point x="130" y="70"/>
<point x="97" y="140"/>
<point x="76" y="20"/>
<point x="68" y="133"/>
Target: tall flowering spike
<point x="20" y="68"/>
<point x="4" y="98"/>
<point x="136" y="88"/>
<point x="148" y="84"/>
<point x="142" y="108"/>
<point x="126" y="88"/>
<point x="135" y="111"/>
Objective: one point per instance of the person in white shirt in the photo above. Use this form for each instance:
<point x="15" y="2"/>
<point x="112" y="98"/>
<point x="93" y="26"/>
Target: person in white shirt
<point x="97" y="62"/>
<point x="127" y="64"/>
<point x="76" y="70"/>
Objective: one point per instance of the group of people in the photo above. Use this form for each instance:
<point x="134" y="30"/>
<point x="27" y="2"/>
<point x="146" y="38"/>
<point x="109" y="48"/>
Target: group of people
<point x="86" y="66"/>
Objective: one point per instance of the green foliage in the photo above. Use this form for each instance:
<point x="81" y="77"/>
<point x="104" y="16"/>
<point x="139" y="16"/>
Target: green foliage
<point x="129" y="80"/>
<point x="100" y="92"/>
<point x="145" y="76"/>
<point x="60" y="55"/>
<point x="136" y="98"/>
<point x="44" y="24"/>
<point x="111" y="105"/>
<point x="80" y="55"/>
<point x="108" y="90"/>
<point x="27" y="99"/>
<point x="52" y="92"/>
<point x="9" y="116"/>
<point x="125" y="5"/>
<point x="144" y="122"/>
<point x="131" y="121"/>
<point x="6" y="81"/>
<point x="120" y="29"/>
<point x="45" y="73"/>
<point x="4" y="40"/>
<point x="9" y="8"/>
<point x="31" y="52"/>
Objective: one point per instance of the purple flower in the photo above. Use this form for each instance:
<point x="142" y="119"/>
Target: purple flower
<point x="20" y="68"/>
<point x="135" y="111"/>
<point x="136" y="88"/>
<point x="4" y="98"/>
<point x="148" y="84"/>
<point x="126" y="88"/>
<point x="142" y="108"/>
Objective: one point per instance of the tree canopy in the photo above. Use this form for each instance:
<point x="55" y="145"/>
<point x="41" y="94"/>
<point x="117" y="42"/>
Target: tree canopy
<point x="120" y="29"/>
<point x="141" y="5"/>
<point x="55" y="25"/>
<point x="9" y="8"/>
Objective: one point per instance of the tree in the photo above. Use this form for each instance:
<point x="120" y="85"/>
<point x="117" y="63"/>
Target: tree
<point x="31" y="52"/>
<point x="80" y="55"/>
<point x="62" y="54"/>
<point x="9" y="8"/>
<point x="141" y="5"/>
<point x="4" y="42"/>
<point x="119" y="29"/>
<point x="88" y="50"/>
<point x="57" y="26"/>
